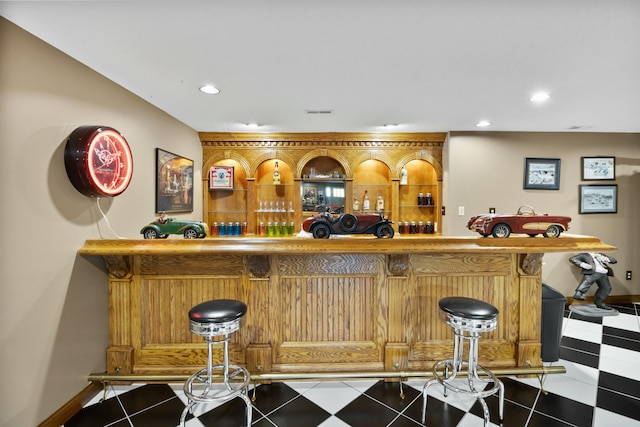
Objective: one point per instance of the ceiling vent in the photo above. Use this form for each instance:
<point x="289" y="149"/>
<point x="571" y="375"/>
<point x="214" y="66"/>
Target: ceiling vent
<point x="318" y="111"/>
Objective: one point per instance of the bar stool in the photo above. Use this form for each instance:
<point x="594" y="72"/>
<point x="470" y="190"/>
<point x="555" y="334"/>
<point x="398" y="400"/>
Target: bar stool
<point x="215" y="320"/>
<point x="468" y="318"/>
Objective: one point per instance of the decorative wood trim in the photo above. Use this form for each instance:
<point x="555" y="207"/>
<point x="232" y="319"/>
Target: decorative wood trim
<point x="118" y="267"/>
<point x="398" y="264"/>
<point x="259" y="265"/>
<point x="352" y="139"/>
<point x="532" y="263"/>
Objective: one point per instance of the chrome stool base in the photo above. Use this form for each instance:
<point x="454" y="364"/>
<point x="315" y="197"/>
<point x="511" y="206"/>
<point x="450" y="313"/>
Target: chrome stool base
<point x="222" y="382"/>
<point x="467" y="327"/>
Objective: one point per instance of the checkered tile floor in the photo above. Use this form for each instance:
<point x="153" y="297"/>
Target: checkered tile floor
<point x="601" y="388"/>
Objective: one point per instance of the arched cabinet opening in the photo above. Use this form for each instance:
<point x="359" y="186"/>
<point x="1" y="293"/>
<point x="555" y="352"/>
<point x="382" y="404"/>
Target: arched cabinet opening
<point x="372" y="188"/>
<point x="323" y="186"/>
<point x="274" y="199"/>
<point x="419" y="198"/>
<point x="226" y="195"/>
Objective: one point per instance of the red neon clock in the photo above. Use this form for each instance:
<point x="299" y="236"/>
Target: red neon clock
<point x="98" y="161"/>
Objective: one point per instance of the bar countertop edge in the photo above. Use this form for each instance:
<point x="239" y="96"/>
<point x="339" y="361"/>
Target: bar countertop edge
<point x="350" y="244"/>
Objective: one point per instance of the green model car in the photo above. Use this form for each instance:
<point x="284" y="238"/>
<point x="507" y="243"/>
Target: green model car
<point x="162" y="227"/>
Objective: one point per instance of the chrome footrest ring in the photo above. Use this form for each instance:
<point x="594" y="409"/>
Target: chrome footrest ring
<point x="208" y="393"/>
<point x="480" y="394"/>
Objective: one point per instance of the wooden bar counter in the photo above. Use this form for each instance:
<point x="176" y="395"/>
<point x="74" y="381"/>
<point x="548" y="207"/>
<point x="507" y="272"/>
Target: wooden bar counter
<point x="338" y="305"/>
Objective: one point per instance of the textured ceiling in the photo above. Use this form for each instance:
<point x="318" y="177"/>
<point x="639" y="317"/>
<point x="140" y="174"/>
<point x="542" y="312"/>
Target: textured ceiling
<point x="425" y="65"/>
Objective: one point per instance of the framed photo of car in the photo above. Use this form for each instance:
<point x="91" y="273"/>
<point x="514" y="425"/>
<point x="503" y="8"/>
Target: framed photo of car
<point x="221" y="178"/>
<point x="598" y="199"/>
<point x="174" y="182"/>
<point x="598" y="168"/>
<point x="541" y="174"/>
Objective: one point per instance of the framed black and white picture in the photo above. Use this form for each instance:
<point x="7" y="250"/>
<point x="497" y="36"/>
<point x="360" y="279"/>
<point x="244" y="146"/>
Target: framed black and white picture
<point x="598" y="168"/>
<point x="598" y="199"/>
<point x="541" y="174"/>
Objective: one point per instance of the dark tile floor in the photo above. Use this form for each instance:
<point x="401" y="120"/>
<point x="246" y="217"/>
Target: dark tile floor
<point x="601" y="388"/>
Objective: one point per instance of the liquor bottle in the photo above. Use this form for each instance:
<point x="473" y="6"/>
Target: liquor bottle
<point x="276" y="175"/>
<point x="365" y="202"/>
<point x="404" y="177"/>
<point x="429" y="200"/>
<point x="380" y="204"/>
<point x="356" y="204"/>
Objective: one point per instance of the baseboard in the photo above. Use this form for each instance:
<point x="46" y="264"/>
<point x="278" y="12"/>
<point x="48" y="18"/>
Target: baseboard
<point x="611" y="299"/>
<point x="73" y="406"/>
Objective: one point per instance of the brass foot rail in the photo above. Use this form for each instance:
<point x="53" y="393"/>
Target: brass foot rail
<point x="282" y="376"/>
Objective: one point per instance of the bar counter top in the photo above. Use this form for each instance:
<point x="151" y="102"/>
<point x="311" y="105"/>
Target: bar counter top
<point x="343" y="244"/>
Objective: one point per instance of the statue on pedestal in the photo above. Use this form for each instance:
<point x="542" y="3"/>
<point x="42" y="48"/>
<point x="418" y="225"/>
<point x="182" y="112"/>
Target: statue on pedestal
<point x="595" y="269"/>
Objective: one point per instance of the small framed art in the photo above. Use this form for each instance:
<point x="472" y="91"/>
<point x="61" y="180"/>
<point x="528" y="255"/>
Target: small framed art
<point x="174" y="182"/>
<point x="221" y="178"/>
<point x="598" y="168"/>
<point x="598" y="199"/>
<point x="541" y="174"/>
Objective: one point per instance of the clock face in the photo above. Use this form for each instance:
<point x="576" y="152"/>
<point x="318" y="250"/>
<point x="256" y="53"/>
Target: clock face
<point x="98" y="161"/>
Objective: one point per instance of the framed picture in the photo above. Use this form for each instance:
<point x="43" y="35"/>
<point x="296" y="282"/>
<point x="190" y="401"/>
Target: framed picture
<point x="598" y="199"/>
<point x="174" y="182"/>
<point x="541" y="174"/>
<point x="221" y="178"/>
<point x="309" y="197"/>
<point x="598" y="168"/>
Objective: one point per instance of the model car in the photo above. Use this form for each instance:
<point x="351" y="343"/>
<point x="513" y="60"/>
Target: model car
<point x="162" y="227"/>
<point x="525" y="221"/>
<point x="325" y="224"/>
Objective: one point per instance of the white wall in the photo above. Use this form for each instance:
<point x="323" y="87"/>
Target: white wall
<point x="53" y="303"/>
<point x="486" y="170"/>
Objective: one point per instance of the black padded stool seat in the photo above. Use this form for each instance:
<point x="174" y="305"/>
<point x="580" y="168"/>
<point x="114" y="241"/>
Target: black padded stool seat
<point x="468" y="308"/>
<point x="468" y="319"/>
<point x="215" y="321"/>
<point x="220" y="310"/>
<point x="217" y="317"/>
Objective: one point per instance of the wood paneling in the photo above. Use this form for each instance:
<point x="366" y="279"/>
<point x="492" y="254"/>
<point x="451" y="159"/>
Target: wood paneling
<point x="335" y="305"/>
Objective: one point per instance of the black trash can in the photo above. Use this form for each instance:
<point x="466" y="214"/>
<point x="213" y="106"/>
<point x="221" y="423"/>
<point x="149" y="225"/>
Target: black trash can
<point x="553" y="303"/>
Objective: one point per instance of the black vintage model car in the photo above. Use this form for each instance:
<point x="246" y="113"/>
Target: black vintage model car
<point x="325" y="224"/>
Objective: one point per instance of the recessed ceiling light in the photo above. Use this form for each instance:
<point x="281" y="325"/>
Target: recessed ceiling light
<point x="209" y="90"/>
<point x="483" y="123"/>
<point x="539" y="97"/>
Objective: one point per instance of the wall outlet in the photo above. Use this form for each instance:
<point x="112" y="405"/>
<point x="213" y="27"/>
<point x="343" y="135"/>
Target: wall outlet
<point x="492" y="210"/>
<point x="628" y="275"/>
<point x="460" y="210"/>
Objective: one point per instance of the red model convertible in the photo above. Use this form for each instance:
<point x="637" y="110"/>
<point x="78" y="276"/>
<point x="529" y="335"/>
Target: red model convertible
<point x="525" y="221"/>
<point x="325" y="224"/>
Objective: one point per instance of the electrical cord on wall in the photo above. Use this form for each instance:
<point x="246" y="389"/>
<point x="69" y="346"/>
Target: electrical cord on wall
<point x="107" y="221"/>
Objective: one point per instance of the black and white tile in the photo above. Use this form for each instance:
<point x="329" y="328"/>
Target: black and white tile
<point x="601" y="388"/>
